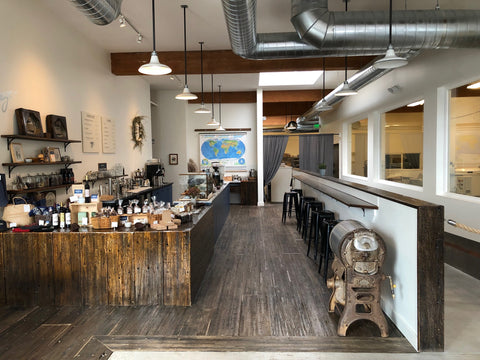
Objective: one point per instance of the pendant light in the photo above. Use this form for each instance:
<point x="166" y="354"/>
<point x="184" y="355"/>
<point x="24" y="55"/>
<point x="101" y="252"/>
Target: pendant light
<point x="154" y="67"/>
<point x="390" y="60"/>
<point x="220" y="128"/>
<point x="324" y="106"/>
<point x="346" y="90"/>
<point x="202" y="109"/>
<point x="212" y="121"/>
<point x="186" y="94"/>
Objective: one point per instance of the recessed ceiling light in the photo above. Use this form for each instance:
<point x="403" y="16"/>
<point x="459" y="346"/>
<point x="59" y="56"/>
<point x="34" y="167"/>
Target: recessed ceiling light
<point x="474" y="86"/>
<point x="416" y="103"/>
<point x="289" y="78"/>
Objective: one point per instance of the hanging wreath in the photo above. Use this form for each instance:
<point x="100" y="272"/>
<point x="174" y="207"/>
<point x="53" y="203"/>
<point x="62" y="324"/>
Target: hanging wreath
<point x="138" y="131"/>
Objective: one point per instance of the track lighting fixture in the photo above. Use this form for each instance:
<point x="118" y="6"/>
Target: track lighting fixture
<point x="139" y="38"/>
<point x="121" y="19"/>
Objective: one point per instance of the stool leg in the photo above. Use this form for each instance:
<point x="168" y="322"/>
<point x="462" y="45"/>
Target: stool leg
<point x="290" y="204"/>
<point x="310" y="235"/>
<point x="284" y="208"/>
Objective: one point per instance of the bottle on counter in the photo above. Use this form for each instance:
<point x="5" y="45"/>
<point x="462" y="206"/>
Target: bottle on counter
<point x="87" y="190"/>
<point x="68" y="217"/>
<point x="55" y="217"/>
<point x="61" y="216"/>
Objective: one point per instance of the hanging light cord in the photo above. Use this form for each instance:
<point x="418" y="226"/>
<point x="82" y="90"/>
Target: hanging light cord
<point x="220" y="104"/>
<point x="323" y="93"/>
<point x="346" y="63"/>
<point x="391" y="20"/>
<point x="213" y="107"/>
<point x="437" y="7"/>
<point x="201" y="66"/>
<point x="153" y="24"/>
<point x="185" y="39"/>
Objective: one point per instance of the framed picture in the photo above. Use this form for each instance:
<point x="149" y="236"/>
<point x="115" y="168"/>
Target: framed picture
<point x="173" y="159"/>
<point x="54" y="154"/>
<point x="16" y="150"/>
<point x="57" y="126"/>
<point x="29" y="122"/>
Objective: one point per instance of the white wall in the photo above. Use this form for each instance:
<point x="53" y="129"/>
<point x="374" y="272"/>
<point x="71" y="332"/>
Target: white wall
<point x="173" y="127"/>
<point x="51" y="68"/>
<point x="427" y="76"/>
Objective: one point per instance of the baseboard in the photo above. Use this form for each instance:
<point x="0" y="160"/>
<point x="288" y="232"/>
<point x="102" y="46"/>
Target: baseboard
<point x="463" y="254"/>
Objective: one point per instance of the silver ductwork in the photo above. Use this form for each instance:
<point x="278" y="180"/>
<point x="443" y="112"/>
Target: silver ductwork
<point x="100" y="12"/>
<point x="320" y="32"/>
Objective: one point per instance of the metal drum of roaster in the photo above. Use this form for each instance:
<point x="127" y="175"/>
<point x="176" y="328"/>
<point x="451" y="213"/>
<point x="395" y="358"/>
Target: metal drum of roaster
<point x="359" y="254"/>
<point x="357" y="247"/>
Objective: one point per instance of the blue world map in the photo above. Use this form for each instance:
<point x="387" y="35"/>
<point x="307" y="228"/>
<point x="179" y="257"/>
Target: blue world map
<point x="217" y="149"/>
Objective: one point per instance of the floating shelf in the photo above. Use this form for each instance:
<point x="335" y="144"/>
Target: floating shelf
<point x="65" y="142"/>
<point x="12" y="166"/>
<point x="45" y="188"/>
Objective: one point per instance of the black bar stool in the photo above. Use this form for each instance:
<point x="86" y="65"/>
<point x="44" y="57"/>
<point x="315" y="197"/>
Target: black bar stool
<point x="311" y="205"/>
<point x="297" y="204"/>
<point x="317" y="220"/>
<point x="289" y="198"/>
<point x="325" y="252"/>
<point x="303" y="201"/>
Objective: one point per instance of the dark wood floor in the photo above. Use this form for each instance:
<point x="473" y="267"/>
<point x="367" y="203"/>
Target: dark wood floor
<point x="261" y="293"/>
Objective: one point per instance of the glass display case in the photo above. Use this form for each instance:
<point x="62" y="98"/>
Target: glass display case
<point x="196" y="184"/>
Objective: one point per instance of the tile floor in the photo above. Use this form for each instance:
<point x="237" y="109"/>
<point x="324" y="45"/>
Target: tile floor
<point x="462" y="331"/>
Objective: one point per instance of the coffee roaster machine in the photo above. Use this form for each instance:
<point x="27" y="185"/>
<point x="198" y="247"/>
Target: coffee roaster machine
<point x="357" y="275"/>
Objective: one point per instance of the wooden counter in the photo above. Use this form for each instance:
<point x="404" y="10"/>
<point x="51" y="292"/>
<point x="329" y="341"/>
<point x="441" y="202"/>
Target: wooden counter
<point x="111" y="267"/>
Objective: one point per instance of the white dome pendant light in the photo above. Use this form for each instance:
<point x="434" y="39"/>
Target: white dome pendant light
<point x="220" y="127"/>
<point x="154" y="67"/>
<point x="186" y="94"/>
<point x="212" y="121"/>
<point x="391" y="60"/>
<point x="202" y="109"/>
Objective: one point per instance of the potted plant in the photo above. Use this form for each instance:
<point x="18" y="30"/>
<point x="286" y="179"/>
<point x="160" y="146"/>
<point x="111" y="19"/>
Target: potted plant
<point x="322" y="168"/>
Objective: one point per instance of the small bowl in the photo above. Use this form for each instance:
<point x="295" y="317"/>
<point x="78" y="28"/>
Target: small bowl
<point x="128" y="224"/>
<point x="28" y="160"/>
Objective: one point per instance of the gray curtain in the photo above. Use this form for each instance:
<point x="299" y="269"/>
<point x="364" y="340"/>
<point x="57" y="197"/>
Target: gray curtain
<point x="314" y="150"/>
<point x="273" y="149"/>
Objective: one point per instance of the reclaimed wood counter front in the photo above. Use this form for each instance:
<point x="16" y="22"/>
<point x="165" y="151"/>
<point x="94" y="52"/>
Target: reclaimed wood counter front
<point x="110" y="268"/>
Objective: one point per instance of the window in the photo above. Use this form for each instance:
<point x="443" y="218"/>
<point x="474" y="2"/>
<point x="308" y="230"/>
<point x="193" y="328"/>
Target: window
<point x="359" y="148"/>
<point x="402" y="144"/>
<point x="464" y="141"/>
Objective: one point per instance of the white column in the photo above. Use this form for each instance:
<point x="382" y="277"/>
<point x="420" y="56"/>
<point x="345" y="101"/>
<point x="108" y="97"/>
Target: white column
<point x="260" y="147"/>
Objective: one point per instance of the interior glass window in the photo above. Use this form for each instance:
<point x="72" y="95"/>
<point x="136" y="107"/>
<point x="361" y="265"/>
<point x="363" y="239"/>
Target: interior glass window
<point x="464" y="140"/>
<point x="359" y="148"/>
<point x="402" y="144"/>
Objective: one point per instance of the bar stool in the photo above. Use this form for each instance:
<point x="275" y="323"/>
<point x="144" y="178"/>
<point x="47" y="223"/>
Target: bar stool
<point x="311" y="205"/>
<point x="326" y="229"/>
<point x="303" y="201"/>
<point x="288" y="199"/>
<point x="297" y="205"/>
<point x="317" y="220"/>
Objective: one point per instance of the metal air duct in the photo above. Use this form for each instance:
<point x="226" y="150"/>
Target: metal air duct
<point x="100" y="12"/>
<point x="320" y="32"/>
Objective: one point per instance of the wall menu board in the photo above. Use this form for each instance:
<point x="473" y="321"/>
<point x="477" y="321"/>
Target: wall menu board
<point x="91" y="132"/>
<point x="228" y="149"/>
<point x="108" y="136"/>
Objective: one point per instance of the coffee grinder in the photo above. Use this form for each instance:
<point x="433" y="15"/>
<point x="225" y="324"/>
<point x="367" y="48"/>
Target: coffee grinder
<point x="217" y="179"/>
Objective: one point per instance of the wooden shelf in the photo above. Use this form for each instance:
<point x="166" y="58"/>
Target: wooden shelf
<point x="65" y="142"/>
<point x="12" y="166"/>
<point x="45" y="188"/>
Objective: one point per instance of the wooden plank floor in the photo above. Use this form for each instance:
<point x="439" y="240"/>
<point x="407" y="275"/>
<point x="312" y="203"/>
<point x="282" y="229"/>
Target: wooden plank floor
<point x="261" y="293"/>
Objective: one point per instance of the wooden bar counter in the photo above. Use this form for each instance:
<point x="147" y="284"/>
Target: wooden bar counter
<point x="126" y="268"/>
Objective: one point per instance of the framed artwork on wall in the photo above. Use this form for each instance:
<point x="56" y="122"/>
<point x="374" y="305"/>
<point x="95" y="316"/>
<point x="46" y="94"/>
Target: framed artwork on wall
<point x="16" y="150"/>
<point x="57" y="126"/>
<point x="173" y="159"/>
<point x="29" y="122"/>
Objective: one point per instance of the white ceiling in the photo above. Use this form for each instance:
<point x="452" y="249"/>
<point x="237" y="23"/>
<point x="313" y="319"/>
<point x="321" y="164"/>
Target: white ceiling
<point x="205" y="22"/>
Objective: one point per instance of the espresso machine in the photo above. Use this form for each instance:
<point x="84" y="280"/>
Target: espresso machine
<point x="155" y="173"/>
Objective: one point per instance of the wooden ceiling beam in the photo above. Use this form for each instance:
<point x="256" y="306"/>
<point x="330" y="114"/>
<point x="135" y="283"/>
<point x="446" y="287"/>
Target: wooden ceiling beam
<point x="239" y="97"/>
<point x="226" y="62"/>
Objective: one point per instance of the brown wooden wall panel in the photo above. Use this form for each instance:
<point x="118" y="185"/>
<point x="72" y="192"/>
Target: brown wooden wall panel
<point x="93" y="261"/>
<point x="43" y="259"/>
<point x="148" y="268"/>
<point x="119" y="264"/>
<point x="430" y="278"/>
<point x="66" y="268"/>
<point x="176" y="269"/>
<point x="3" y="299"/>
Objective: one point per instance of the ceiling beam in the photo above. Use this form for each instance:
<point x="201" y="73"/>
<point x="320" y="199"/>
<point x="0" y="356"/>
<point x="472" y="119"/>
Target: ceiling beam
<point x="279" y="96"/>
<point x="226" y="62"/>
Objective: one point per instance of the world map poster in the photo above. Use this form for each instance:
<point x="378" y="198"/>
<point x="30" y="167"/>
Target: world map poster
<point x="227" y="149"/>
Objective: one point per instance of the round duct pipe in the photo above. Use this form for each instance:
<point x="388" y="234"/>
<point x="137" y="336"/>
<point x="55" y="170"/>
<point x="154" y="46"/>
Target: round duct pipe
<point x="99" y="12"/>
